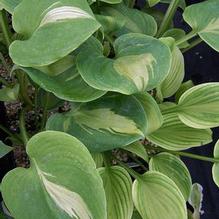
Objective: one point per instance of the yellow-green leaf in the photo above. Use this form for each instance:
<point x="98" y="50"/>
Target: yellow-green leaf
<point x="156" y="196"/>
<point x="175" y="169"/>
<point x="118" y="188"/>
<point x="198" y="106"/>
<point x="175" y="135"/>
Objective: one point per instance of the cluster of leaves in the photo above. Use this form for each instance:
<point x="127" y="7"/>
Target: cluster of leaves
<point x="116" y="66"/>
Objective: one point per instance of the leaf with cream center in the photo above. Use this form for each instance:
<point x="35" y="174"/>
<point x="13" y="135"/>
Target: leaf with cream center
<point x="105" y="123"/>
<point x="141" y="63"/>
<point x="52" y="29"/>
<point x="61" y="183"/>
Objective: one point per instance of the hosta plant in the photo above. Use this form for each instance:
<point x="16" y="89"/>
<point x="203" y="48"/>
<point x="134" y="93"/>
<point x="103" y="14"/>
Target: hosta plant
<point x="119" y="72"/>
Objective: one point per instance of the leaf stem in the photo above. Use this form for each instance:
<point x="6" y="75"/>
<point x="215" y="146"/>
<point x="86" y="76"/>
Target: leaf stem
<point x="3" y="81"/>
<point x="5" y="27"/>
<point x="195" y="156"/>
<point x="193" y="44"/>
<point x="131" y="3"/>
<point x="133" y="173"/>
<point x="24" y="88"/>
<point x="138" y="161"/>
<point x="168" y="17"/>
<point x="45" y="113"/>
<point x="187" y="37"/>
<point x="184" y="154"/>
<point x="9" y="133"/>
<point x="23" y="130"/>
<point x="107" y="159"/>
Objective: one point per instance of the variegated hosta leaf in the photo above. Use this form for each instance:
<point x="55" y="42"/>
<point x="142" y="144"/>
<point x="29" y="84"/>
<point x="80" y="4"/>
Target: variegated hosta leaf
<point x="156" y="196"/>
<point x="62" y="181"/>
<point x="52" y="29"/>
<point x="175" y="135"/>
<point x="215" y="169"/>
<point x="105" y="123"/>
<point x="177" y="34"/>
<point x="138" y="149"/>
<point x="204" y="20"/>
<point x="118" y="189"/>
<point x="135" y="21"/>
<point x="4" y="149"/>
<point x="154" y="116"/>
<point x="198" y="106"/>
<point x="183" y="88"/>
<point x="175" y="169"/>
<point x="141" y="63"/>
<point x="176" y="73"/>
<point x="9" y="5"/>
<point x="68" y="85"/>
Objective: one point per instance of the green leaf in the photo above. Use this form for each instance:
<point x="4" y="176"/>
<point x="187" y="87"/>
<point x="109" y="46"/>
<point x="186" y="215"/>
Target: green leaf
<point x="118" y="189"/>
<point x="183" y="88"/>
<point x="138" y="149"/>
<point x="175" y="135"/>
<point x="66" y="86"/>
<point x="177" y="34"/>
<point x="182" y="3"/>
<point x="62" y="181"/>
<point x="156" y="196"/>
<point x="4" y="149"/>
<point x="141" y="63"/>
<point x="105" y="123"/>
<point x="215" y="168"/>
<point x="196" y="199"/>
<point x="175" y="169"/>
<point x="48" y="100"/>
<point x="154" y="116"/>
<point x="153" y="2"/>
<point x="136" y="215"/>
<point x="51" y="29"/>
<point x="98" y="159"/>
<point x="176" y="73"/>
<point x="206" y="26"/>
<point x="8" y="94"/>
<point x="135" y="21"/>
<point x="155" y="13"/>
<point x="9" y="5"/>
<point x="110" y="24"/>
<point x="198" y="106"/>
